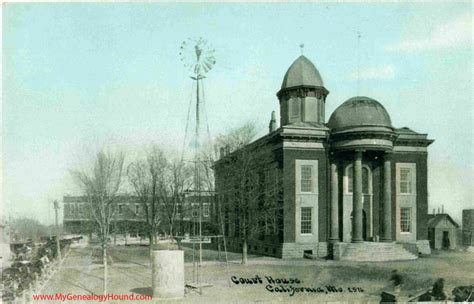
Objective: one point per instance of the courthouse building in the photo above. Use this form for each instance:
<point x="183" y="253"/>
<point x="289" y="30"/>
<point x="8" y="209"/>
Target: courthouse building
<point x="353" y="186"/>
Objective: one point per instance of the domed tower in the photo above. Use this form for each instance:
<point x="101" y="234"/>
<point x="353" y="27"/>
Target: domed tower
<point x="302" y="95"/>
<point x="361" y="123"/>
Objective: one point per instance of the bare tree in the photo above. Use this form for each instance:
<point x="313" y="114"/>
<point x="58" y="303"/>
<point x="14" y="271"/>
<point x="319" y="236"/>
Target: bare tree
<point x="147" y="178"/>
<point x="101" y="185"/>
<point x="249" y="186"/>
<point x="177" y="180"/>
<point x="238" y="137"/>
<point x="27" y="228"/>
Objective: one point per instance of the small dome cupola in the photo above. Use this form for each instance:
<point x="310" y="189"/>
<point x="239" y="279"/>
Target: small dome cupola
<point x="361" y="123"/>
<point x="302" y="95"/>
<point x="302" y="72"/>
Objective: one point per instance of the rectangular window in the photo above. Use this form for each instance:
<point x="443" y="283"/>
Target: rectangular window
<point x="306" y="178"/>
<point x="120" y="209"/>
<point x="195" y="210"/>
<point x="268" y="226"/>
<point x="137" y="209"/>
<point x="306" y="220"/>
<point x="205" y="210"/>
<point x="276" y="178"/>
<point x="405" y="219"/>
<point x="295" y="109"/>
<point x="405" y="181"/>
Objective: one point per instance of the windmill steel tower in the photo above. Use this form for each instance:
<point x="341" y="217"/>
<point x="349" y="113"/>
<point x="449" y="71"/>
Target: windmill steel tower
<point x="198" y="57"/>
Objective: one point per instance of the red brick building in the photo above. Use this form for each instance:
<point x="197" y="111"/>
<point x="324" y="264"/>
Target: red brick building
<point x="346" y="182"/>
<point x="129" y="216"/>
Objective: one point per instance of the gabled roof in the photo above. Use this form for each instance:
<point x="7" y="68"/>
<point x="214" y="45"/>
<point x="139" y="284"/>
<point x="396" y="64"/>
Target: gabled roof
<point x="434" y="220"/>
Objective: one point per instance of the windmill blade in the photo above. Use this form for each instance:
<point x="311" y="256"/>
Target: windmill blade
<point x="197" y="55"/>
<point x="210" y="60"/>
<point x="207" y="66"/>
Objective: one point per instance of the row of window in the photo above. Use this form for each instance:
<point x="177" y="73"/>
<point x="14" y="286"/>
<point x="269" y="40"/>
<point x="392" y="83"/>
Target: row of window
<point x="79" y="208"/>
<point x="307" y="180"/>
<point x="267" y="225"/>
<point x="295" y="109"/>
<point x="205" y="210"/>
<point x="306" y="220"/>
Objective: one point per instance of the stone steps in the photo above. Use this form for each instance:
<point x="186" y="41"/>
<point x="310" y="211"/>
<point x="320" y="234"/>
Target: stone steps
<point x="376" y="252"/>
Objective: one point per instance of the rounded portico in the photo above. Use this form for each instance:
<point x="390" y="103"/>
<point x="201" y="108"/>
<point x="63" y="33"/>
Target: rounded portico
<point x="361" y="125"/>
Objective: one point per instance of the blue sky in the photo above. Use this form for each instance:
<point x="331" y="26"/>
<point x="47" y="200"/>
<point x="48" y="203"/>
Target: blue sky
<point x="78" y="76"/>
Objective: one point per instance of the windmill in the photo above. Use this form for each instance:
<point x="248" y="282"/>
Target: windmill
<point x="198" y="57"/>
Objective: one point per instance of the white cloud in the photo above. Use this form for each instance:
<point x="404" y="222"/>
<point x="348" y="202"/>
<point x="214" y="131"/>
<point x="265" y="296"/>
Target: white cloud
<point x="448" y="35"/>
<point x="381" y="72"/>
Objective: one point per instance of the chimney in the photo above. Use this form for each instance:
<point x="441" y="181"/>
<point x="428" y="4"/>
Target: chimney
<point x="221" y="152"/>
<point x="434" y="210"/>
<point x="272" y="125"/>
<point x="442" y="209"/>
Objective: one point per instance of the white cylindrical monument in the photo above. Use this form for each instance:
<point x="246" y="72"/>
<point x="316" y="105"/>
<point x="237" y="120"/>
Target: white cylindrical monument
<point x="167" y="274"/>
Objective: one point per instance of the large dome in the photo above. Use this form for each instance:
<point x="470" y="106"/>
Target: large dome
<point x="359" y="111"/>
<point x="302" y="72"/>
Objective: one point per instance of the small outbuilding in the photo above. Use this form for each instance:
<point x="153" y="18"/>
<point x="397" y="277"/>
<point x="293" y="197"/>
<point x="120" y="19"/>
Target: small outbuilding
<point x="442" y="231"/>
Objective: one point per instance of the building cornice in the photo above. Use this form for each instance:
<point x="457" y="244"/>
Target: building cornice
<point x="413" y="142"/>
<point x="302" y="91"/>
<point x="363" y="134"/>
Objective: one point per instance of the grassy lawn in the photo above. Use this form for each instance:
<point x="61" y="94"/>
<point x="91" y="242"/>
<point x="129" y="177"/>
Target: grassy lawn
<point x="131" y="272"/>
<point x="140" y="255"/>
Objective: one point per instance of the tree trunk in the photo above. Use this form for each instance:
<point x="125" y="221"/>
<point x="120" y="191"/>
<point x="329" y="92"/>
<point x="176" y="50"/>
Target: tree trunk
<point x="104" y="259"/>
<point x="152" y="237"/>
<point x="244" y="252"/>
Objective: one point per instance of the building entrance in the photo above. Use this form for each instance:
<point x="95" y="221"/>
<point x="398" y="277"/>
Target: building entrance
<point x="446" y="243"/>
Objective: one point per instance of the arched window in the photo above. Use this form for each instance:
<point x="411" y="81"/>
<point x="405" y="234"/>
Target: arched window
<point x="365" y="179"/>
